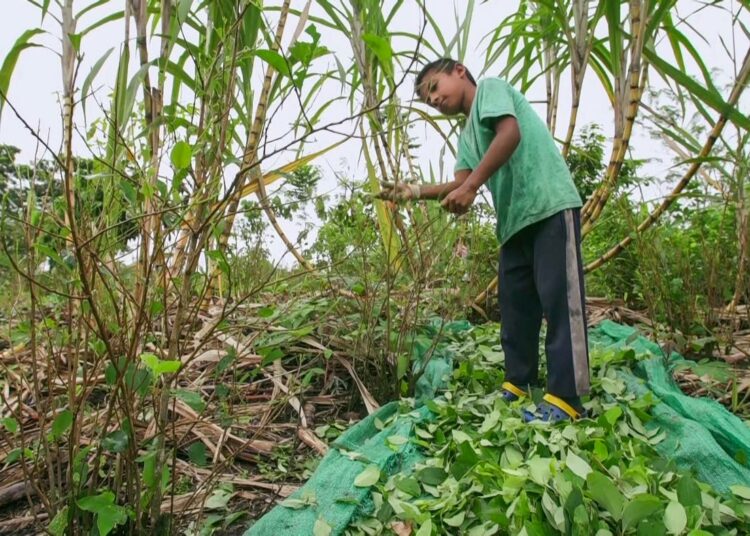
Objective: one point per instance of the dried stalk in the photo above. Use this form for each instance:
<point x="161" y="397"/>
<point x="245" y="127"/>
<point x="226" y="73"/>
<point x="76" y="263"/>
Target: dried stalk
<point x="377" y="136"/>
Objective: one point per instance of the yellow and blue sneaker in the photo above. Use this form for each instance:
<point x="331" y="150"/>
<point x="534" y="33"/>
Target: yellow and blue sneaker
<point x="510" y="392"/>
<point x="554" y="409"/>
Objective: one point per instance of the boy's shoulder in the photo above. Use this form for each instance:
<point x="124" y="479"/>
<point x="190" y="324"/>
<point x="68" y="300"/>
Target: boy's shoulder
<point x="489" y="81"/>
<point x="494" y="84"/>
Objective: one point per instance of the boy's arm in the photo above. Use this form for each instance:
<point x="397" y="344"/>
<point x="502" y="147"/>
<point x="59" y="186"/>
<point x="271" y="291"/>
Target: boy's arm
<point x="439" y="191"/>
<point x="507" y="138"/>
<point x="405" y="191"/>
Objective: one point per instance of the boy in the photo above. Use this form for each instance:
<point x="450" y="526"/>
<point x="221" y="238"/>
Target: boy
<point x="505" y="145"/>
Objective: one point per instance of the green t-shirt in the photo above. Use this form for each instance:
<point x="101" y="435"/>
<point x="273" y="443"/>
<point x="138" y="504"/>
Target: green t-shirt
<point x="535" y="183"/>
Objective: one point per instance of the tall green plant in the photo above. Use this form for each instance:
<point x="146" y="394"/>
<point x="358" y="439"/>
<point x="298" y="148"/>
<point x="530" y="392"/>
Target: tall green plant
<point x="176" y="127"/>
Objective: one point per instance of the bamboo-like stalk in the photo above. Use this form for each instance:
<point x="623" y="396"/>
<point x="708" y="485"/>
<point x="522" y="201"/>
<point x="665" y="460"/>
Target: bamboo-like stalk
<point x="205" y="190"/>
<point x="83" y="259"/>
<point x="594" y="206"/>
<point x="388" y="216"/>
<point x="154" y="223"/>
<point x="139" y="10"/>
<point x="548" y="58"/>
<point x="140" y="14"/>
<point x="263" y="197"/>
<point x="554" y="101"/>
<point x="734" y="96"/>
<point x="68" y="73"/>
<point x="743" y="228"/>
<point x="627" y="110"/>
<point x="68" y="68"/>
<point x="742" y="224"/>
<point x="249" y="161"/>
<point x="151" y="229"/>
<point x="580" y="49"/>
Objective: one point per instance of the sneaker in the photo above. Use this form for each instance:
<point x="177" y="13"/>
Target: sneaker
<point x="511" y="393"/>
<point x="553" y="409"/>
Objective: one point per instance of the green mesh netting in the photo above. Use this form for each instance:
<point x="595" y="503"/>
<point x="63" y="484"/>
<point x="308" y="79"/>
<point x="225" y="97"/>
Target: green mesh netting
<point x="701" y="435"/>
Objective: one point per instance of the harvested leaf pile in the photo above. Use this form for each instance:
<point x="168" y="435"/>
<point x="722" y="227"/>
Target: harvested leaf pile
<point x="488" y="473"/>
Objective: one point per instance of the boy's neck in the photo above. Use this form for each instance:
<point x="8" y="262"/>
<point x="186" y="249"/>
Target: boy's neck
<point x="468" y="100"/>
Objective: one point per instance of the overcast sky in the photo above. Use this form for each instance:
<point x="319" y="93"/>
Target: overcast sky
<point x="35" y="84"/>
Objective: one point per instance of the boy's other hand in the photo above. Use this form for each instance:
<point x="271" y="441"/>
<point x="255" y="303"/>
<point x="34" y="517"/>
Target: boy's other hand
<point x="400" y="191"/>
<point x="459" y="200"/>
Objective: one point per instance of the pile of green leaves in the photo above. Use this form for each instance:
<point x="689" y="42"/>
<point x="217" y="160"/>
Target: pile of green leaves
<point x="489" y="473"/>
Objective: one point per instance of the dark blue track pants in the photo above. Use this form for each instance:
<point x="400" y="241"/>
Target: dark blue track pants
<point x="541" y="276"/>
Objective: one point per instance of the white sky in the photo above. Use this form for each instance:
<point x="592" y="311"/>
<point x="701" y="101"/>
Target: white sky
<point x="36" y="80"/>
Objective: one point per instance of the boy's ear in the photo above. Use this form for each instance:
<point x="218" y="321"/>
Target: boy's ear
<point x="460" y="70"/>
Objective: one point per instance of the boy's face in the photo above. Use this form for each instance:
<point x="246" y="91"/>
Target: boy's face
<point x="444" y="90"/>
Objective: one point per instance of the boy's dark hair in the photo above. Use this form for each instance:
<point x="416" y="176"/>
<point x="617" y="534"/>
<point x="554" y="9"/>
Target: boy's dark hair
<point x="443" y="65"/>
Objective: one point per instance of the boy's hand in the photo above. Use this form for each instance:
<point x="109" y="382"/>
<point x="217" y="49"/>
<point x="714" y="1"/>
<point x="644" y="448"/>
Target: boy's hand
<point x="459" y="200"/>
<point x="400" y="191"/>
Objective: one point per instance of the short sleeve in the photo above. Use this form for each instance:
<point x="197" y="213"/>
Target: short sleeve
<point x="463" y="158"/>
<point x="494" y="101"/>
